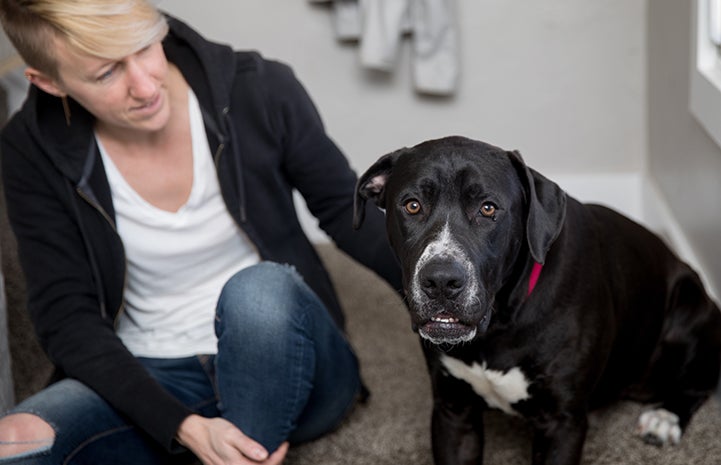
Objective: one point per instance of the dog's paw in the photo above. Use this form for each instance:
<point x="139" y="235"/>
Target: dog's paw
<point x="659" y="427"/>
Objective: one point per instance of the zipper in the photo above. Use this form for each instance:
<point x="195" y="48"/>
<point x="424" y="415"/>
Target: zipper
<point x="101" y="294"/>
<point x="216" y="156"/>
<point x="214" y="127"/>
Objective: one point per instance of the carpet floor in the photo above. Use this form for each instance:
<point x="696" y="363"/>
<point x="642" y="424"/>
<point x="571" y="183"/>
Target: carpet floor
<point x="393" y="428"/>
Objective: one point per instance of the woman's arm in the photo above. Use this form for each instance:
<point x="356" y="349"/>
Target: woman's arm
<point x="321" y="173"/>
<point x="63" y="297"/>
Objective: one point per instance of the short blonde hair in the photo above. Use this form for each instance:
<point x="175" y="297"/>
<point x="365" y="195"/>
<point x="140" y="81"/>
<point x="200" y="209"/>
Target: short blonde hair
<point x="109" y="29"/>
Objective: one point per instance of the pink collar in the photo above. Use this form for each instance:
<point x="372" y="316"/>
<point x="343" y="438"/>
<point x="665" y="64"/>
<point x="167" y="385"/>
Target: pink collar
<point x="535" y="273"/>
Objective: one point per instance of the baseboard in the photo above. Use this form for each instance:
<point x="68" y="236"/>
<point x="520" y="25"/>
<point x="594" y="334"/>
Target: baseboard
<point x="659" y="213"/>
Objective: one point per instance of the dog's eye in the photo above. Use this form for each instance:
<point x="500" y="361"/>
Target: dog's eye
<point x="488" y="210"/>
<point x="412" y="207"/>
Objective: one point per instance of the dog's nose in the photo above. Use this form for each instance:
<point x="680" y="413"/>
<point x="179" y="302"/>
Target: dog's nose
<point x="443" y="279"/>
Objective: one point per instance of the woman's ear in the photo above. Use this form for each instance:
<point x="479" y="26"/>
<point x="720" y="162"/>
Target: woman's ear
<point x="44" y="82"/>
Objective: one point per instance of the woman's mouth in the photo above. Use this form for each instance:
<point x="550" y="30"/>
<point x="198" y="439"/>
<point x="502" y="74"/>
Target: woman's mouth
<point x="149" y="106"/>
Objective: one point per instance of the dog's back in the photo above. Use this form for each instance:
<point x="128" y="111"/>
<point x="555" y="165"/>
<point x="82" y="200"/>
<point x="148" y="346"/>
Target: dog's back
<point x="662" y="314"/>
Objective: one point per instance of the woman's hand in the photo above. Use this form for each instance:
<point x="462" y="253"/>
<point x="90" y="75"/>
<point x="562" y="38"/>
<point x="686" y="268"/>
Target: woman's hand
<point x="216" y="441"/>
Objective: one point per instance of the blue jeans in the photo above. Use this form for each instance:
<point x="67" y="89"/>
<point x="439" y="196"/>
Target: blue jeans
<point x="283" y="371"/>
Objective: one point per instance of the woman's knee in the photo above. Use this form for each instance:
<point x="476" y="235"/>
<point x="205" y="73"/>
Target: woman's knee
<point x="262" y="280"/>
<point x="24" y="432"/>
<point x="264" y="294"/>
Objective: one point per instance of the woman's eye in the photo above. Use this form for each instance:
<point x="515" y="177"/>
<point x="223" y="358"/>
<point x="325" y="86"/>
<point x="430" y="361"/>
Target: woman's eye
<point x="412" y="207"/>
<point x="488" y="210"/>
<point x="106" y="74"/>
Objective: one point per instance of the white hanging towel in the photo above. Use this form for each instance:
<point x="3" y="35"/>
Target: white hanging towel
<point x="380" y="25"/>
<point x="347" y="20"/>
<point x="434" y="40"/>
<point x="436" y="64"/>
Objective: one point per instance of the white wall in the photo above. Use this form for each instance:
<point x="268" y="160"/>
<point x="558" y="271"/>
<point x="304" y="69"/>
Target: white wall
<point x="683" y="158"/>
<point x="561" y="80"/>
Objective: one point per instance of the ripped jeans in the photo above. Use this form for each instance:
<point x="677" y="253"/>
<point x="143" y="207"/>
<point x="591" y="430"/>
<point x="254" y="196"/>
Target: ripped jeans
<point x="283" y="371"/>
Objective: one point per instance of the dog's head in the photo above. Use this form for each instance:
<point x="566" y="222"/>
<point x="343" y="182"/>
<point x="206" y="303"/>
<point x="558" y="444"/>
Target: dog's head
<point x="460" y="214"/>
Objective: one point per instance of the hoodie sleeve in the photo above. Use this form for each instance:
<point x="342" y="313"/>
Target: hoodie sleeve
<point x="322" y="175"/>
<point x="44" y="209"/>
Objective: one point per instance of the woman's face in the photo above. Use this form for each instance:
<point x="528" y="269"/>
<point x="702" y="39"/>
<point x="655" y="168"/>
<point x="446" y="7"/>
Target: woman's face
<point x="126" y="94"/>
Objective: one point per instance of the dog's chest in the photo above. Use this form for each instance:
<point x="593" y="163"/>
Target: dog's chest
<point x="499" y="389"/>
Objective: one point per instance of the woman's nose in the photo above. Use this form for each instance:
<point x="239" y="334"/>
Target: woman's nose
<point x="141" y="84"/>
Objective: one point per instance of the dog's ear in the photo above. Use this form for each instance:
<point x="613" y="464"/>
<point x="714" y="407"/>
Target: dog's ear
<point x="546" y="208"/>
<point x="371" y="185"/>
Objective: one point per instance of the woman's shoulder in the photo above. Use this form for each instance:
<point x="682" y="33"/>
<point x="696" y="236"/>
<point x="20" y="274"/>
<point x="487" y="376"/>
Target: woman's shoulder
<point x="253" y="61"/>
<point x="271" y="78"/>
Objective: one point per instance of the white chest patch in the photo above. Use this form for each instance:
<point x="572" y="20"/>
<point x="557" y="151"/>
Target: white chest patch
<point x="499" y="390"/>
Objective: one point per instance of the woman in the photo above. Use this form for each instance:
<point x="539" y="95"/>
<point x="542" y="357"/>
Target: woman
<point x="149" y="176"/>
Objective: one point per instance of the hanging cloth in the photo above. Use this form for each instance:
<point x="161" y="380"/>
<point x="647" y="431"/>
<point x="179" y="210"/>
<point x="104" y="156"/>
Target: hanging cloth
<point x="380" y="26"/>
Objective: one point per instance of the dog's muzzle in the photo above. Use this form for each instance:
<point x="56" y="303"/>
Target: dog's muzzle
<point x="444" y="292"/>
<point x="444" y="302"/>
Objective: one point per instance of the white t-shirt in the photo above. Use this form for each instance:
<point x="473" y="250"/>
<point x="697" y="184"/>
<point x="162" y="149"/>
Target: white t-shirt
<point x="177" y="263"/>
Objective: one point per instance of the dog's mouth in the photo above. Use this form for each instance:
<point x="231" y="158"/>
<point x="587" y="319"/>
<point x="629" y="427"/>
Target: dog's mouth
<point x="444" y="328"/>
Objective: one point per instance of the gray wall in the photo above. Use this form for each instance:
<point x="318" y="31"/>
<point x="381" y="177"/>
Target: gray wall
<point x="683" y="160"/>
<point x="579" y="86"/>
<point x="561" y="80"/>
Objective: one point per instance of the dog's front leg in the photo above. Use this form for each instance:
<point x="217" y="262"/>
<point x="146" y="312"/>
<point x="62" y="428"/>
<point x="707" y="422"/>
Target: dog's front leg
<point x="560" y="441"/>
<point x="457" y="433"/>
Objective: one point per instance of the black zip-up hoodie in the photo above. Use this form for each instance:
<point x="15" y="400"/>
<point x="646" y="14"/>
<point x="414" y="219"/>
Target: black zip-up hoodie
<point x="266" y="139"/>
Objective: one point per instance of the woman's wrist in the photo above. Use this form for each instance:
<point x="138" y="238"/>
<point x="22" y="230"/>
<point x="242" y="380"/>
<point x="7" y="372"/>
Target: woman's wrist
<point x="189" y="429"/>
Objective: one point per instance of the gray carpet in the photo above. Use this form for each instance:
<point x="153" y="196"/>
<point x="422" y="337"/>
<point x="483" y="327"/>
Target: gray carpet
<point x="393" y="428"/>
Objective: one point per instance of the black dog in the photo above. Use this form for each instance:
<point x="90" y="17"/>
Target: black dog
<point x="536" y="304"/>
